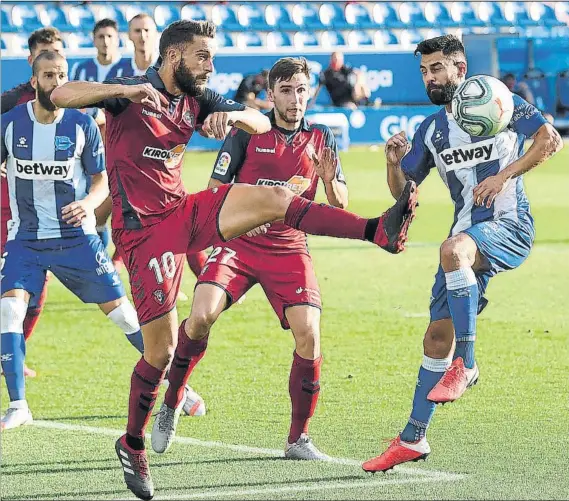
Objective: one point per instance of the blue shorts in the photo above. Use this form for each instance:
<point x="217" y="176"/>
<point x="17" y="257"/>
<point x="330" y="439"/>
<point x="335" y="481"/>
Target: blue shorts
<point x="504" y="243"/>
<point x="80" y="263"/>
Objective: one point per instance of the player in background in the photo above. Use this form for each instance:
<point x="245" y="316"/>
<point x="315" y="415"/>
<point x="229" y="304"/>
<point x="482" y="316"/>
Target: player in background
<point x="293" y="154"/>
<point x="150" y="120"/>
<point x="493" y="229"/>
<point x="56" y="177"/>
<point x="42" y="40"/>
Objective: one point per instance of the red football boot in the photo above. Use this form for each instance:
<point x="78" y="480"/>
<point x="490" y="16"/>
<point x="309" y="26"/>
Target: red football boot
<point x="398" y="452"/>
<point x="454" y="383"/>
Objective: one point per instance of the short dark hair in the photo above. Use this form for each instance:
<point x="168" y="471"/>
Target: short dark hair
<point x="509" y="76"/>
<point x="45" y="56"/>
<point x="44" y="35"/>
<point x="105" y="23"/>
<point x="285" y="68"/>
<point x="180" y="32"/>
<point x="142" y="15"/>
<point x="447" y="44"/>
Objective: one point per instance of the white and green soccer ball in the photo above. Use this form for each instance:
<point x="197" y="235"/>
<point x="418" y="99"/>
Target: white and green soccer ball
<point x="482" y="106"/>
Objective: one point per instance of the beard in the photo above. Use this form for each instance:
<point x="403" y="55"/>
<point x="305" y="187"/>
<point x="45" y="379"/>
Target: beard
<point x="441" y="94"/>
<point x="285" y="118"/>
<point x="187" y="82"/>
<point x="44" y="99"/>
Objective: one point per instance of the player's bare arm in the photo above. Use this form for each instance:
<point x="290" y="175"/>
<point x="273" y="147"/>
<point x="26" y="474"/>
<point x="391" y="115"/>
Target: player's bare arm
<point x="85" y="94"/>
<point x="217" y="124"/>
<point x="75" y="212"/>
<point x="325" y="167"/>
<point x="546" y="143"/>
<point x="395" y="149"/>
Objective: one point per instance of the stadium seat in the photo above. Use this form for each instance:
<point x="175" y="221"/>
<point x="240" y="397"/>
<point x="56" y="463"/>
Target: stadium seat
<point x="491" y="14"/>
<point x="544" y="14"/>
<point x="552" y="54"/>
<point x="512" y="55"/>
<point x="111" y="12"/>
<point x="53" y="15"/>
<point x="306" y="17"/>
<point x="562" y="11"/>
<point x="134" y="8"/>
<point x="81" y="18"/>
<point x="194" y="12"/>
<point x="79" y="40"/>
<point x="25" y="17"/>
<point x="536" y="81"/>
<point x="249" y="39"/>
<point x="464" y="14"/>
<point x="332" y="16"/>
<point x="278" y="18"/>
<point x="276" y="39"/>
<point x="409" y="38"/>
<point x="3" y="45"/>
<point x="358" y="17"/>
<point x="224" y="16"/>
<point x="331" y="39"/>
<point x="384" y="14"/>
<point x="411" y="14"/>
<point x="164" y="15"/>
<point x="562" y="88"/>
<point x="303" y="39"/>
<point x="517" y="14"/>
<point x="7" y="26"/>
<point x="437" y="13"/>
<point x="357" y="38"/>
<point x="223" y="39"/>
<point x="19" y="44"/>
<point x="384" y="38"/>
<point x="251" y="16"/>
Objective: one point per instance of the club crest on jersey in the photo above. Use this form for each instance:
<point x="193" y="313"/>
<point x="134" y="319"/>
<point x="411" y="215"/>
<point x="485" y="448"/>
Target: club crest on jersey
<point x="297" y="184"/>
<point x="469" y="155"/>
<point x="188" y="118"/>
<point x="63" y="143"/>
<point x="171" y="157"/>
<point x="48" y="170"/>
<point x="159" y="296"/>
<point x="222" y="164"/>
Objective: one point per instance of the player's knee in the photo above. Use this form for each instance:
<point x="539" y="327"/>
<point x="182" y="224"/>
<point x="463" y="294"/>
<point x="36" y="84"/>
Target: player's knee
<point x="200" y="322"/>
<point x="438" y="340"/>
<point x="280" y="198"/>
<point x="124" y="316"/>
<point x="307" y="340"/>
<point x="454" y="254"/>
<point x="13" y="314"/>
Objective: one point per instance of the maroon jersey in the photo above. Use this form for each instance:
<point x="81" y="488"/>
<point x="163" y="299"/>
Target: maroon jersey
<point x="145" y="148"/>
<point x="277" y="158"/>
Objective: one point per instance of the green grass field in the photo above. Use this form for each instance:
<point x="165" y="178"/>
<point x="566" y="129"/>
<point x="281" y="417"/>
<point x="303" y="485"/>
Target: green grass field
<point x="506" y="439"/>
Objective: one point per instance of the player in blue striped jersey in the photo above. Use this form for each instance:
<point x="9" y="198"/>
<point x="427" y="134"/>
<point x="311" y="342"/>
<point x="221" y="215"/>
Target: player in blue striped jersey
<point x="493" y="230"/>
<point x="56" y="178"/>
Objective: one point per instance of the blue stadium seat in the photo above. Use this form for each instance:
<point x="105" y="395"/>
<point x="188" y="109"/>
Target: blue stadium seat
<point x="223" y="39"/>
<point x="357" y="38"/>
<point x="252" y="16"/>
<point x="24" y="16"/>
<point x="544" y="14"/>
<point x="164" y="15"/>
<point x="412" y="15"/>
<point x="19" y="44"/>
<point x="277" y="17"/>
<point x="277" y="39"/>
<point x="562" y="11"/>
<point x="358" y="17"/>
<point x="552" y="54"/>
<point x="79" y="40"/>
<point x="3" y="45"/>
<point x="464" y="14"/>
<point x="306" y="17"/>
<point x="384" y="38"/>
<point x="194" y="12"/>
<point x="54" y="15"/>
<point x="224" y="16"/>
<point x="409" y="38"/>
<point x="517" y="14"/>
<point x="512" y="55"/>
<point x="249" y="39"/>
<point x="437" y="14"/>
<point x="536" y="81"/>
<point x="81" y="18"/>
<point x="111" y="12"/>
<point x="491" y="14"/>
<point x="562" y="89"/>
<point x="7" y="26"/>
<point x="303" y="39"/>
<point x="331" y="39"/>
<point x="332" y="16"/>
<point x="134" y="8"/>
<point x="384" y="14"/>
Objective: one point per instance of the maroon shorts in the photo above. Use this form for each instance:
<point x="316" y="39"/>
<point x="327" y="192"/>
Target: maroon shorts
<point x="155" y="255"/>
<point x="287" y="279"/>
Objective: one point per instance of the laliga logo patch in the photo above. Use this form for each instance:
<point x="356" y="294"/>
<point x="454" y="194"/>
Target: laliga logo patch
<point x="159" y="296"/>
<point x="222" y="164"/>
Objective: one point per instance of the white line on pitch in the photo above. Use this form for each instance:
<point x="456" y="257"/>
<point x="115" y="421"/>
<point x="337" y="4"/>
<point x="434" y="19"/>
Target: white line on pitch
<point x="240" y="448"/>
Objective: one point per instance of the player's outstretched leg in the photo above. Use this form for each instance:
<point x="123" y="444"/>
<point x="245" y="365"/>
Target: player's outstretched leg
<point x="247" y="207"/>
<point x="31" y="321"/>
<point x="411" y="444"/>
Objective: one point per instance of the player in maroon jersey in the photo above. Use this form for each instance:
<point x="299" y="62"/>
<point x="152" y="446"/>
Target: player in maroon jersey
<point x="42" y="40"/>
<point x="155" y="222"/>
<point x="293" y="154"/>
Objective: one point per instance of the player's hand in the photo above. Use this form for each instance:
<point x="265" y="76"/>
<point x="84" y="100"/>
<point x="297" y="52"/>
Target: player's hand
<point x="260" y="230"/>
<point x="487" y="191"/>
<point x="3" y="170"/>
<point x="145" y="94"/>
<point x="217" y="125"/>
<point x="76" y="212"/>
<point x="396" y="148"/>
<point x="325" y="166"/>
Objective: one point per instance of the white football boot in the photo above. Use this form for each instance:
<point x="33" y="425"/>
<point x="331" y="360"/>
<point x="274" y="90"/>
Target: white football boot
<point x="18" y="414"/>
<point x="304" y="449"/>
<point x="164" y="428"/>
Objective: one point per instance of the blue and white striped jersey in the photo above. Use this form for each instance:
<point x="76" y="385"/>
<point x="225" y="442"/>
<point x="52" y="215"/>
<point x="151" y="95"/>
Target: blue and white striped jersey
<point x="91" y="70"/>
<point x="48" y="167"/>
<point x="463" y="161"/>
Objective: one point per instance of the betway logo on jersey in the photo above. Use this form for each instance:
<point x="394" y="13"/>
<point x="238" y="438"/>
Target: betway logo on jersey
<point x="48" y="170"/>
<point x="469" y="155"/>
<point x="171" y="157"/>
<point x="297" y="184"/>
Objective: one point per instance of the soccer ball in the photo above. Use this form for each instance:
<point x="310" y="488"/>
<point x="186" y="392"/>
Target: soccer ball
<point x="482" y="106"/>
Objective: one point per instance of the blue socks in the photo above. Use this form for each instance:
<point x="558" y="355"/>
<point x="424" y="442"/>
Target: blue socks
<point x="430" y="373"/>
<point x="13" y="355"/>
<point x="136" y="341"/>
<point x="462" y="297"/>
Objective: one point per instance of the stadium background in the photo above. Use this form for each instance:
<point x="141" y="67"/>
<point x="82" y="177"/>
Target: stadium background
<point x="507" y="439"/>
